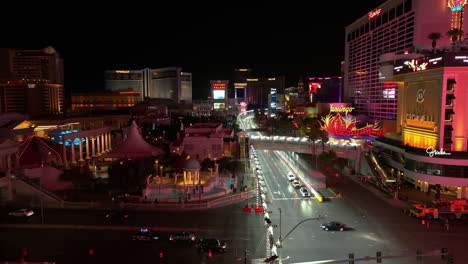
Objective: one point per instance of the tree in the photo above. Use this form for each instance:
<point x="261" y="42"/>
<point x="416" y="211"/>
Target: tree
<point x="310" y="127"/>
<point x="434" y="36"/>
<point x="234" y="167"/>
<point x="455" y="34"/>
<point x="206" y="164"/>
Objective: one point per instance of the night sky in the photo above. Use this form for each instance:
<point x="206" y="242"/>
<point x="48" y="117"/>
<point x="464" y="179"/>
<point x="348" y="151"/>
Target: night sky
<point x="206" y="38"/>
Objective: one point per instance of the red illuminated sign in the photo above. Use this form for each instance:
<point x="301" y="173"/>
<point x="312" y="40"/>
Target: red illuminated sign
<point x="219" y="86"/>
<point x="374" y="13"/>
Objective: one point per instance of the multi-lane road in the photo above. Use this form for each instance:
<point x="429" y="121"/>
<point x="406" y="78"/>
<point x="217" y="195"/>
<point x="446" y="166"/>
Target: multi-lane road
<point x="375" y="224"/>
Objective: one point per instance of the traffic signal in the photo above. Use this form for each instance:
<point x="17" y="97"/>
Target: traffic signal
<point x="418" y="254"/>
<point x="450" y="259"/>
<point x="443" y="253"/>
<point x="210" y="254"/>
<point x="379" y="257"/>
<point x="161" y="254"/>
<point x="351" y="258"/>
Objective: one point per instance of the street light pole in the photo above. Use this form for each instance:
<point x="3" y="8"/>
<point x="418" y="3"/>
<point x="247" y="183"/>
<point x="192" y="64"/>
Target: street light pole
<point x="42" y="205"/>
<point x="280" y="225"/>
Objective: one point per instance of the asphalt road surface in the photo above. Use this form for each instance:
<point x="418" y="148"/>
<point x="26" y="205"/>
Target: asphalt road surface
<point x="375" y="225"/>
<point x="68" y="235"/>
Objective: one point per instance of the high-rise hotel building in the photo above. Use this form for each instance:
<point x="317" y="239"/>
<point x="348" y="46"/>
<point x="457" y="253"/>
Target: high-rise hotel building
<point x="395" y="26"/>
<point x="167" y="83"/>
<point x="31" y="81"/>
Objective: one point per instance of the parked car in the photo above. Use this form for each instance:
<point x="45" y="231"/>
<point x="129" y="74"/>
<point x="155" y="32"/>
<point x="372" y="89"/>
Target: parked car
<point x="304" y="192"/>
<point x="211" y="244"/>
<point x="145" y="234"/>
<point x="22" y="213"/>
<point x="182" y="236"/>
<point x="296" y="184"/>
<point x="117" y="215"/>
<point x="333" y="226"/>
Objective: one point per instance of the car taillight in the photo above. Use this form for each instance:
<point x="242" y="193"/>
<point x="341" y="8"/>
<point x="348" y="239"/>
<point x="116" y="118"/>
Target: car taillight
<point x="193" y="238"/>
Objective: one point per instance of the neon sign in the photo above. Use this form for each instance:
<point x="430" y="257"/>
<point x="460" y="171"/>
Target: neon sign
<point x="374" y="13"/>
<point x="122" y="71"/>
<point x="433" y="152"/>
<point x="456" y="5"/>
<point x="341" y="109"/>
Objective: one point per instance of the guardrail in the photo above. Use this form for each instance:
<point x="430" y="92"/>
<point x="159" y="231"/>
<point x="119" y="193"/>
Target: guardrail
<point x="150" y="206"/>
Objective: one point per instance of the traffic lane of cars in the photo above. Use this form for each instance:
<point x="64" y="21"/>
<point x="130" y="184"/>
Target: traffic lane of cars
<point x="275" y="176"/>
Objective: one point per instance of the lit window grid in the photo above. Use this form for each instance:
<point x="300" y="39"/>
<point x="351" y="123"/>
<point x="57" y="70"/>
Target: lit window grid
<point x="364" y="52"/>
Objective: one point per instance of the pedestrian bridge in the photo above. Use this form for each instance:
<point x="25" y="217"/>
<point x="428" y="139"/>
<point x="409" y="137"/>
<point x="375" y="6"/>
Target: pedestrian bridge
<point x="346" y="150"/>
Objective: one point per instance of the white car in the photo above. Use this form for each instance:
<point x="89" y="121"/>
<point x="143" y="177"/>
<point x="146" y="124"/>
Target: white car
<point x="304" y="192"/>
<point x="291" y="176"/>
<point x="22" y="212"/>
<point x="262" y="183"/>
<point x="297" y="184"/>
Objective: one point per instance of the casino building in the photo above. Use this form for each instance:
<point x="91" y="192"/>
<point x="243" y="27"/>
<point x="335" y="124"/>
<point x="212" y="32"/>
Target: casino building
<point x="430" y="146"/>
<point x="394" y="26"/>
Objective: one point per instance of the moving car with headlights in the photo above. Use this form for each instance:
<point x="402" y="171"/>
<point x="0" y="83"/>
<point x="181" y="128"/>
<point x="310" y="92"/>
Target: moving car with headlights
<point x="145" y="235"/>
<point x="211" y="244"/>
<point x="333" y="226"/>
<point x="182" y="236"/>
<point x="304" y="192"/>
<point x="22" y="213"/>
<point x="296" y="184"/>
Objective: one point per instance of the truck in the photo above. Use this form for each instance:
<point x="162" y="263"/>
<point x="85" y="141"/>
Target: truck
<point x="448" y="209"/>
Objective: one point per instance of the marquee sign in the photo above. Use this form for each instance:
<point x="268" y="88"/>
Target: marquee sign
<point x="341" y="109"/>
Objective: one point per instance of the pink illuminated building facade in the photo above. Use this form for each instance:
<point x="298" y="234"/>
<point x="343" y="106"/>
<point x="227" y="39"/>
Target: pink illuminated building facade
<point x="395" y="26"/>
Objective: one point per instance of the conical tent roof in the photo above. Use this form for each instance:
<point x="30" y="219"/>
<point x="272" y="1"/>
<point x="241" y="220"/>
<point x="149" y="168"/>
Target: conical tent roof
<point x="134" y="147"/>
<point x="35" y="151"/>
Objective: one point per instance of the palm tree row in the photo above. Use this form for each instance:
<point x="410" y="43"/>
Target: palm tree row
<point x="455" y="34"/>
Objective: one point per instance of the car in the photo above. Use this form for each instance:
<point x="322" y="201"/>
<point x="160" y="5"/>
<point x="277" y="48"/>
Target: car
<point x="333" y="226"/>
<point x="146" y="235"/>
<point x="261" y="183"/>
<point x="296" y="184"/>
<point x="22" y="213"/>
<point x="291" y="177"/>
<point x="304" y="192"/>
<point x="182" y="236"/>
<point x="257" y="162"/>
<point x="117" y="215"/>
<point x="211" y="244"/>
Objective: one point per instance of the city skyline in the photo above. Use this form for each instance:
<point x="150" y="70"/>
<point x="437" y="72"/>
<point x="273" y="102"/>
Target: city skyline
<point x="209" y="40"/>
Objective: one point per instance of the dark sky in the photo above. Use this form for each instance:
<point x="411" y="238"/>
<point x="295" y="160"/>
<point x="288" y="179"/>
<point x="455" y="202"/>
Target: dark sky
<point x="207" y="38"/>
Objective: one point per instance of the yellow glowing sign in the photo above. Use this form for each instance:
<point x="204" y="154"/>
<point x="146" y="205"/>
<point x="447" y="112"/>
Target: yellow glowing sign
<point x="122" y="71"/>
<point x="271" y="79"/>
<point x="243" y="70"/>
<point x="341" y="109"/>
<point x="252" y="80"/>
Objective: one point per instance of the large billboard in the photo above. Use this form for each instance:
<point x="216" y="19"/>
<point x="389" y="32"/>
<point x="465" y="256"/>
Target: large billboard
<point x="219" y="88"/>
<point x="219" y="94"/>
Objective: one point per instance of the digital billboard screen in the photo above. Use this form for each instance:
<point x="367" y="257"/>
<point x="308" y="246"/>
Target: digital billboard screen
<point x="219" y="94"/>
<point x="219" y="105"/>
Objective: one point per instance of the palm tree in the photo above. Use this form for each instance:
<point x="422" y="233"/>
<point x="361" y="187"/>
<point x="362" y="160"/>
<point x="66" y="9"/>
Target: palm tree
<point x="327" y="158"/>
<point x="434" y="36"/>
<point x="455" y="34"/>
<point x="310" y="127"/>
